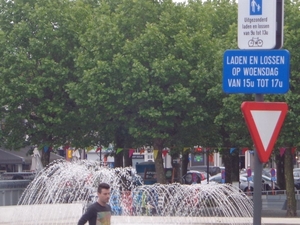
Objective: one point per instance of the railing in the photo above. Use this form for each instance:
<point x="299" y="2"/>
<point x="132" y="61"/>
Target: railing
<point x="276" y="199"/>
<point x="281" y="194"/>
<point x="11" y="191"/>
<point x="10" y="196"/>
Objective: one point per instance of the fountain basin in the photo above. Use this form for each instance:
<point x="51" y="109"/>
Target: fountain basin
<point x="47" y="198"/>
<point x="70" y="214"/>
<point x="63" y="214"/>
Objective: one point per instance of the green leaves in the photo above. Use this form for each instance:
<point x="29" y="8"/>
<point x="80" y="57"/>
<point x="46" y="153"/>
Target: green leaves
<point x="37" y="63"/>
<point x="150" y="67"/>
<point x="75" y="69"/>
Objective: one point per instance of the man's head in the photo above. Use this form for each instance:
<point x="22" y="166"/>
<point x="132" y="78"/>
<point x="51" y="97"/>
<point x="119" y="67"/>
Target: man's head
<point x="103" y="193"/>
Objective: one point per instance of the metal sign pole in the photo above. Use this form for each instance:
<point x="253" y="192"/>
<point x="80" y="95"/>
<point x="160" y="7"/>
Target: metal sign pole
<point x="257" y="208"/>
<point x="249" y="176"/>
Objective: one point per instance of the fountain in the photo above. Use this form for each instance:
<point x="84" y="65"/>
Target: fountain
<point x="63" y="190"/>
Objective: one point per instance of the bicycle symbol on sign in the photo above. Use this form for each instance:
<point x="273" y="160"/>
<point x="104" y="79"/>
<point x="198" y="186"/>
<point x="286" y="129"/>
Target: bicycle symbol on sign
<point x="255" y="42"/>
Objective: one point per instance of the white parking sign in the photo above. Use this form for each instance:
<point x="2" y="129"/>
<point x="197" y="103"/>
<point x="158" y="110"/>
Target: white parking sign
<point x="256" y="24"/>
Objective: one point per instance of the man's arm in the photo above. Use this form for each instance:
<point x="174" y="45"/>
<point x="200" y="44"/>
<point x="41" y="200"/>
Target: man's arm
<point x="86" y="216"/>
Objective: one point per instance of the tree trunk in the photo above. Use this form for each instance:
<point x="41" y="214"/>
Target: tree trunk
<point x="120" y="142"/>
<point x="226" y="156"/>
<point x="45" y="158"/>
<point x="235" y="173"/>
<point x="127" y="161"/>
<point x="119" y="159"/>
<point x="280" y="171"/>
<point x="185" y="163"/>
<point x="159" y="167"/>
<point x="291" y="204"/>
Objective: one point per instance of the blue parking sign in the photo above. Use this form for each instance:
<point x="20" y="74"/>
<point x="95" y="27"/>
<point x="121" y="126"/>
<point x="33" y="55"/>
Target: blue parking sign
<point x="256" y="71"/>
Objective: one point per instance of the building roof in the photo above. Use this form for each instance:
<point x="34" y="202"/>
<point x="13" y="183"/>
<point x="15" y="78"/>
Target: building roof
<point x="20" y="156"/>
<point x="10" y="158"/>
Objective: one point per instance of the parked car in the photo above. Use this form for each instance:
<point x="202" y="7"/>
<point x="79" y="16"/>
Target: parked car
<point x="296" y="173"/>
<point x="193" y="177"/>
<point x="297" y="183"/>
<point x="243" y="181"/>
<point x="267" y="172"/>
<point x="266" y="183"/>
<point x="214" y="179"/>
<point x="212" y="170"/>
<point x="203" y="174"/>
<point x="244" y="184"/>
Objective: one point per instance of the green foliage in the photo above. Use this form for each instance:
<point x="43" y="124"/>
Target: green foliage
<point x="148" y="65"/>
<point x="127" y="71"/>
<point x="81" y="71"/>
<point x="39" y="41"/>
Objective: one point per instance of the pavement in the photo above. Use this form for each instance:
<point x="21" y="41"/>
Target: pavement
<point x="278" y="217"/>
<point x="276" y="213"/>
<point x="63" y="214"/>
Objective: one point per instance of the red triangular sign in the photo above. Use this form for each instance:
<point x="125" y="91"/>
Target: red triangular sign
<point x="264" y="121"/>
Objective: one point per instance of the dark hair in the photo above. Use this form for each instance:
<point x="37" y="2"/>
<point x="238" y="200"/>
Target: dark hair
<point x="103" y="186"/>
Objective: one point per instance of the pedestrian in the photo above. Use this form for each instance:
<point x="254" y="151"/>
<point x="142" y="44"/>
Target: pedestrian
<point x="98" y="213"/>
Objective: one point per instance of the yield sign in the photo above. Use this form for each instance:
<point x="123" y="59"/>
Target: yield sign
<point x="264" y="121"/>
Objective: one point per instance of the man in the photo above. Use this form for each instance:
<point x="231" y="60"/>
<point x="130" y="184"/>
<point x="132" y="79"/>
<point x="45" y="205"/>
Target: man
<point x="98" y="213"/>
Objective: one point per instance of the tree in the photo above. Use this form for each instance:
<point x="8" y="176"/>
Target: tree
<point x="38" y="42"/>
<point x="144" y="66"/>
<point x="228" y="121"/>
<point x="230" y="118"/>
<point x="289" y="136"/>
